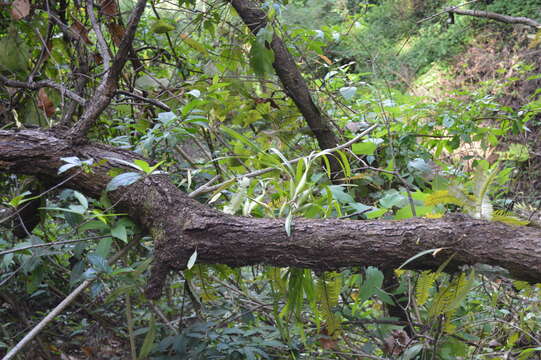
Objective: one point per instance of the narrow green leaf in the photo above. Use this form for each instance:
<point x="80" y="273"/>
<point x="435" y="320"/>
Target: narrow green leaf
<point x="284" y="160"/>
<point x="289" y="220"/>
<point x="149" y="340"/>
<point x="82" y="199"/>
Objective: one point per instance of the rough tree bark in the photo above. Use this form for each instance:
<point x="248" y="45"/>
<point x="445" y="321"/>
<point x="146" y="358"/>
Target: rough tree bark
<point x="179" y="225"/>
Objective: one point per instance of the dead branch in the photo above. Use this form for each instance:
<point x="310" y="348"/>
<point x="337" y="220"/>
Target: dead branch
<point x="495" y="16"/>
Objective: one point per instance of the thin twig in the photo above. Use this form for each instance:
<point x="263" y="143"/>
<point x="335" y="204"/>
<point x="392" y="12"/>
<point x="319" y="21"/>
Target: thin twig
<point x="35" y="85"/>
<point x="445" y="11"/>
<point x="11" y="275"/>
<point x="161" y="315"/>
<point x="202" y="188"/>
<point x="106" y="89"/>
<point x="154" y="102"/>
<point x="131" y="335"/>
<point x="103" y="48"/>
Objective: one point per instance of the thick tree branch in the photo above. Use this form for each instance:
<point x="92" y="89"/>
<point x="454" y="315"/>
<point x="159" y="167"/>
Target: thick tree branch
<point x="495" y="16"/>
<point x="106" y="89"/>
<point x="180" y="225"/>
<point x="291" y="78"/>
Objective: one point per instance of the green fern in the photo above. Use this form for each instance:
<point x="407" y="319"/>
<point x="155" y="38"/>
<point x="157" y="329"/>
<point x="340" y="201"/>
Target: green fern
<point x="478" y="204"/>
<point x="294" y="292"/>
<point x="508" y="218"/>
<point x="328" y="292"/>
<point x="529" y="213"/>
<point x="448" y="299"/>
<point x="424" y="284"/>
<point x="442" y="197"/>
<point x="463" y="286"/>
<point x="448" y="326"/>
<point x="277" y="282"/>
<point x="482" y="180"/>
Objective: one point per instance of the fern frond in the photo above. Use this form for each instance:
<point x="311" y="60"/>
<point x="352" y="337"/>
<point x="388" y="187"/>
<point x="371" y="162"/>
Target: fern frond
<point x="528" y="212"/>
<point x="466" y="201"/>
<point x="434" y="216"/>
<point x="448" y="326"/>
<point x="328" y="292"/>
<point x="295" y="291"/>
<point x="508" y="218"/>
<point x="277" y="282"/>
<point x="442" y="197"/>
<point x="482" y="179"/>
<point x="424" y="284"/>
<point x="462" y="285"/>
<point x="449" y="297"/>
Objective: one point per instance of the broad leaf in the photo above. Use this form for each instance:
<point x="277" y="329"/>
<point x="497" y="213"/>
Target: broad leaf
<point x="124" y="179"/>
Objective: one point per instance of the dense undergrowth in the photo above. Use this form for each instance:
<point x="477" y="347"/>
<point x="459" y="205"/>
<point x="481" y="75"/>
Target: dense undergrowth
<point x="457" y="130"/>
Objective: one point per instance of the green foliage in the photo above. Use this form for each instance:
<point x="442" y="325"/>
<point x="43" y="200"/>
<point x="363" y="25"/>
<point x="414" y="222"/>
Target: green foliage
<point x="223" y="122"/>
<point x="526" y="8"/>
<point x="476" y="200"/>
<point x="448" y="299"/>
<point x="328" y="290"/>
<point x="261" y="56"/>
<point x="424" y="284"/>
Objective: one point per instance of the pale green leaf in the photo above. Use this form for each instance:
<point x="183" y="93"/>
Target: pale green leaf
<point x="191" y="260"/>
<point x="124" y="179"/>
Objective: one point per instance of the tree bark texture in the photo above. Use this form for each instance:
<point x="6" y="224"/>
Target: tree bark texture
<point x="291" y="78"/>
<point x="180" y="225"/>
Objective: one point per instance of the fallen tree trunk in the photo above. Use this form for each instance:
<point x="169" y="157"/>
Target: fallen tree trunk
<point x="180" y="225"/>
